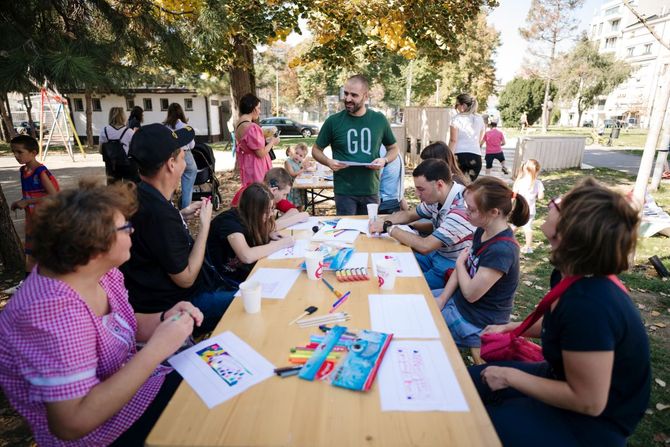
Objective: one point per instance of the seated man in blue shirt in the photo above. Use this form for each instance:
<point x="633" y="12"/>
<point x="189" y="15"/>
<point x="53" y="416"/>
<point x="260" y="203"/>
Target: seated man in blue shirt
<point x="442" y="202"/>
<point x="392" y="185"/>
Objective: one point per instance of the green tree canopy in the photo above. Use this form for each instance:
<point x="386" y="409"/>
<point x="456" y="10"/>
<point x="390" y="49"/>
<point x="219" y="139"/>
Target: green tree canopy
<point x="522" y="95"/>
<point x="585" y="75"/>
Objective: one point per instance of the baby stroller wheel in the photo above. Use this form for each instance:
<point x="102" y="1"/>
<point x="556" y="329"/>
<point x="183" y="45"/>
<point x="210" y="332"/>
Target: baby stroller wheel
<point x="216" y="201"/>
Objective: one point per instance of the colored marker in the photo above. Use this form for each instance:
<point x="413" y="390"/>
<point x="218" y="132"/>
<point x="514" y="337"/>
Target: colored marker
<point x="339" y="302"/>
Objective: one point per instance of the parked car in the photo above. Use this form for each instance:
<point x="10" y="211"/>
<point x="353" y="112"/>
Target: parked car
<point x="288" y="126"/>
<point x="24" y="128"/>
<point x="587" y="123"/>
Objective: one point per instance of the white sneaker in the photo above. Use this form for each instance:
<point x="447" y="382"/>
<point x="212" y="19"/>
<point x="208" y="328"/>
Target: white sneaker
<point x="12" y="290"/>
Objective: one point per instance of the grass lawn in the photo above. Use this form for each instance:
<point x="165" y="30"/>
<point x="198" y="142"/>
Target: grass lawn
<point x="630" y="138"/>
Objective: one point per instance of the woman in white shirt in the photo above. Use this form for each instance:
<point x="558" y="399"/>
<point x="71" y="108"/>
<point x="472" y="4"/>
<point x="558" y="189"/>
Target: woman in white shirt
<point x="465" y="133"/>
<point x="177" y="120"/>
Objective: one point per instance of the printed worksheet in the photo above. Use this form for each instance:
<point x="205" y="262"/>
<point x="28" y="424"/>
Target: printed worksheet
<point x="221" y="367"/>
<point x="353" y="224"/>
<point x="404" y="316"/>
<point x="417" y="376"/>
<point x="275" y="283"/>
<point x="406" y="264"/>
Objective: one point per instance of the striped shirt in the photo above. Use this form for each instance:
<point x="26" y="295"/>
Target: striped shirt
<point x="56" y="348"/>
<point x="450" y="222"/>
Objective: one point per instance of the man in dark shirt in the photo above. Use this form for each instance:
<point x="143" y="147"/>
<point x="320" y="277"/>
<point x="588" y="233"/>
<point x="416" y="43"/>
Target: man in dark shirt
<point x="166" y="264"/>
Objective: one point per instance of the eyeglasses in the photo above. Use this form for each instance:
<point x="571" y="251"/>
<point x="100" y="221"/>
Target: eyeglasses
<point x="126" y="228"/>
<point x="554" y="203"/>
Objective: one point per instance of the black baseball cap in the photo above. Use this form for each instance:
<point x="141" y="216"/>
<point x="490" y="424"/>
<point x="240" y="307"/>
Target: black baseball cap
<point x="153" y="144"/>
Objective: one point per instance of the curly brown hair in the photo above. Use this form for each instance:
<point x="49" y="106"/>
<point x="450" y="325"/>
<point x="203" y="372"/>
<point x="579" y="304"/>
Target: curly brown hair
<point x="597" y="229"/>
<point x="73" y="226"/>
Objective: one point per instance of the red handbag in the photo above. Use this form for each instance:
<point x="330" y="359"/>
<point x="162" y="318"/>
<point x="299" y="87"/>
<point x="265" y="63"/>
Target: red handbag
<point x="511" y="345"/>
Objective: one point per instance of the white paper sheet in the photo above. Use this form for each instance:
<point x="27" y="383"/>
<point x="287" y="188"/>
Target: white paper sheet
<point x="304" y="181"/>
<point x="275" y="283"/>
<point x="328" y="233"/>
<point x="297" y="251"/>
<point x="417" y="376"/>
<point x="307" y="225"/>
<point x="221" y="367"/>
<point x="355" y="163"/>
<point x="406" y="265"/>
<point x="405" y="316"/>
<point x="357" y="260"/>
<point x="353" y="224"/>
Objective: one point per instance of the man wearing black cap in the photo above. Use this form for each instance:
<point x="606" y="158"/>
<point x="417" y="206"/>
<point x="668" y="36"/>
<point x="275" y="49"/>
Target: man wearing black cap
<point x="165" y="264"/>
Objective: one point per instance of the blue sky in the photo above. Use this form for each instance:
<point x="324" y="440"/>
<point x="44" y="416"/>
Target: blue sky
<point x="508" y="17"/>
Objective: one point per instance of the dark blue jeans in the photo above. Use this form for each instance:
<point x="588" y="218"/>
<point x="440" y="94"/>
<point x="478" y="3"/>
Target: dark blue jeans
<point x="354" y="205"/>
<point x="523" y="421"/>
<point x="212" y="305"/>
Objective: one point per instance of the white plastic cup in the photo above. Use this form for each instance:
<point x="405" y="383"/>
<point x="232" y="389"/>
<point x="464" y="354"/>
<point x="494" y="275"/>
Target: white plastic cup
<point x="373" y="209"/>
<point x="386" y="274"/>
<point x="251" y="296"/>
<point x="314" y="264"/>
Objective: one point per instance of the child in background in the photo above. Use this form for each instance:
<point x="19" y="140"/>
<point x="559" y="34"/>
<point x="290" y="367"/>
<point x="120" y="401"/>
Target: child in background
<point x="494" y="140"/>
<point x="294" y="166"/>
<point x="36" y="182"/>
<point x="241" y="236"/>
<point x="481" y="290"/>
<point x="528" y="186"/>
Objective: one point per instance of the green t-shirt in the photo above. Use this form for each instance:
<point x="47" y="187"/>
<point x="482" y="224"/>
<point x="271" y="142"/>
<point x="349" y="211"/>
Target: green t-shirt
<point x="356" y="138"/>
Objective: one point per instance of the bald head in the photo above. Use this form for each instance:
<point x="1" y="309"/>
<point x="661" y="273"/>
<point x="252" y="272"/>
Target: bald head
<point x="355" y="95"/>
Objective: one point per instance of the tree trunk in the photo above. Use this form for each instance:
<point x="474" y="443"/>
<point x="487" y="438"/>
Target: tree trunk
<point x="545" y="113"/>
<point x="580" y="111"/>
<point x="29" y="109"/>
<point x="88" y="96"/>
<point x="242" y="75"/>
<point x="11" y="250"/>
<point x="8" y="130"/>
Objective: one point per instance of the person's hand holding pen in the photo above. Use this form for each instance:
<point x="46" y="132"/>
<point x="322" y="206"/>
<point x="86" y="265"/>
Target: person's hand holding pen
<point x="376" y="226"/>
<point x="170" y="334"/>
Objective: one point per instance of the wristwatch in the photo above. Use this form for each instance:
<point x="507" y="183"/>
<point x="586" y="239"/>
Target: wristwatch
<point x="387" y="224"/>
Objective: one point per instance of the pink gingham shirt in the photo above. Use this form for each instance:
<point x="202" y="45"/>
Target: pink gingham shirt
<point x="55" y="348"/>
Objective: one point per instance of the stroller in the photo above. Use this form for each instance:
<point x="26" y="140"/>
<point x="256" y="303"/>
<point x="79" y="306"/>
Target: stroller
<point x="206" y="183"/>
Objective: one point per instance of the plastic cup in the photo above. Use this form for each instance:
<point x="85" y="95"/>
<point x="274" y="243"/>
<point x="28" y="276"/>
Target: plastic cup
<point x="386" y="274"/>
<point x="314" y="264"/>
<point x="373" y="209"/>
<point x="251" y="296"/>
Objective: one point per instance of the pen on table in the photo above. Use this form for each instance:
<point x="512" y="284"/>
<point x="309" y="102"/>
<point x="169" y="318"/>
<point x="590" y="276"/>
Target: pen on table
<point x="287" y="371"/>
<point x="325" y="328"/>
<point x="337" y="293"/>
<point x="339" y="302"/>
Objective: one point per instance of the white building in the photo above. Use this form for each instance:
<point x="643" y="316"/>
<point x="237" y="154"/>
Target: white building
<point x="616" y="30"/>
<point x="210" y="116"/>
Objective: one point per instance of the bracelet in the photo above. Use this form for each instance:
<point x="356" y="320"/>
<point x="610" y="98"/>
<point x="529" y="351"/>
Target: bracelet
<point x="163" y="315"/>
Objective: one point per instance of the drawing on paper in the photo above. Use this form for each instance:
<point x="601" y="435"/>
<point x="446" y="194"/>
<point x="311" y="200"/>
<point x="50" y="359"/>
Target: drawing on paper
<point x="231" y="370"/>
<point x="396" y="261"/>
<point x="413" y="374"/>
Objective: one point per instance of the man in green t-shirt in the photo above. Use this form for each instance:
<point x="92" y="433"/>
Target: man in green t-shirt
<point x="355" y="136"/>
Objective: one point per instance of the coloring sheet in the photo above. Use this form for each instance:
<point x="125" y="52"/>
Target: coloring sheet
<point x="417" y="376"/>
<point x="221" y="367"/>
<point x="275" y="283"/>
<point x="404" y="316"/>
<point x="298" y="250"/>
<point x="307" y="225"/>
<point x="329" y="233"/>
<point x="405" y="262"/>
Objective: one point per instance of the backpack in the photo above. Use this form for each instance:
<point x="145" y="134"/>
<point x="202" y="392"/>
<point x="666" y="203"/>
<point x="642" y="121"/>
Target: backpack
<point x="117" y="163"/>
<point x="113" y="152"/>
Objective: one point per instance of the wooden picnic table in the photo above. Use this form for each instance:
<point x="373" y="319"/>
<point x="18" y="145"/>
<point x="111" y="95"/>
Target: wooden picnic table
<point x="294" y="412"/>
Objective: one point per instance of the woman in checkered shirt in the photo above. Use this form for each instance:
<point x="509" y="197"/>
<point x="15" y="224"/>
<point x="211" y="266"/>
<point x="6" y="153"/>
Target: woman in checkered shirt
<point x="68" y="361"/>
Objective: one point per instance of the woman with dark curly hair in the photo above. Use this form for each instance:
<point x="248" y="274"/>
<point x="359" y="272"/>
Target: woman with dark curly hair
<point x="68" y="361"/>
<point x="593" y="387"/>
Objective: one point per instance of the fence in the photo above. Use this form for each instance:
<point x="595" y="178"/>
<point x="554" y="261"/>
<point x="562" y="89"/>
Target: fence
<point x="551" y="152"/>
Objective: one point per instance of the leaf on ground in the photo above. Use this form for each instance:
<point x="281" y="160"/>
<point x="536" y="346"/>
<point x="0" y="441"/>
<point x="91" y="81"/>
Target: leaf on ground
<point x="539" y="287"/>
<point x="660" y="382"/>
<point x="660" y="324"/>
<point x="641" y="306"/>
<point x="545" y="259"/>
<point x="528" y="283"/>
<point x="655" y="313"/>
<point x="661" y="407"/>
